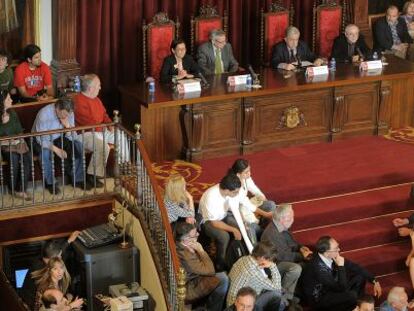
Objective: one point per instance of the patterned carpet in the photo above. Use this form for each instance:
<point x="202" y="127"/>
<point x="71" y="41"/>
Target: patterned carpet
<point x="191" y="171"/>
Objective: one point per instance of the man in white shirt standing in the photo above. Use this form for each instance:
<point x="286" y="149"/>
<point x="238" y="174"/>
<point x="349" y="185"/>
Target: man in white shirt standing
<point x="219" y="207"/>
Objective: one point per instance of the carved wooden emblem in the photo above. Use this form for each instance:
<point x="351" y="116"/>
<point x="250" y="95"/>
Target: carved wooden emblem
<point x="208" y="11"/>
<point x="160" y="18"/>
<point x="291" y="118"/>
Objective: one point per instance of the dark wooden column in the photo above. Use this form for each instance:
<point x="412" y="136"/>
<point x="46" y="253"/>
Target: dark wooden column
<point x="360" y="14"/>
<point x="64" y="21"/>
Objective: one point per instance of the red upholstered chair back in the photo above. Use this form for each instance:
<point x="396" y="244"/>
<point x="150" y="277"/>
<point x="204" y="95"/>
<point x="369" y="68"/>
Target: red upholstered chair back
<point x="157" y="37"/>
<point x="327" y="26"/>
<point x="273" y="28"/>
<point x="204" y="23"/>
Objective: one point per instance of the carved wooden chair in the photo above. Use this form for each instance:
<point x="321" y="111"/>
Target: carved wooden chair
<point x="273" y="28"/>
<point x="328" y="22"/>
<point x="157" y="37"/>
<point x="201" y="26"/>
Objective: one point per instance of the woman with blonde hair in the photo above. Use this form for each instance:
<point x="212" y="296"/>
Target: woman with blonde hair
<point x="178" y="201"/>
<point x="53" y="276"/>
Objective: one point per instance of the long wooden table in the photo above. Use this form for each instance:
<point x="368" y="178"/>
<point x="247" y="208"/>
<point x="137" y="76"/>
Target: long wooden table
<point x="289" y="109"/>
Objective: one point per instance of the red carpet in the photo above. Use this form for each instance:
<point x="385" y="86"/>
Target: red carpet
<point x="318" y="170"/>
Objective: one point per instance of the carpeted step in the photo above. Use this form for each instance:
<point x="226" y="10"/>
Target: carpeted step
<point x="323" y="169"/>
<point x="383" y="259"/>
<point x="356" y="234"/>
<point x="401" y="278"/>
<point x="351" y="207"/>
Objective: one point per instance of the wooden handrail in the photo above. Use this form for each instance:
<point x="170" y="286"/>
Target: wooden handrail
<point x="161" y="205"/>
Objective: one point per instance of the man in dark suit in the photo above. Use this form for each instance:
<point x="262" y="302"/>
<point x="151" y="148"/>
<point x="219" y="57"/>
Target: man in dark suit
<point x="287" y="53"/>
<point x="350" y="46"/>
<point x="332" y="283"/>
<point x="391" y="33"/>
<point x="216" y="56"/>
<point x="178" y="64"/>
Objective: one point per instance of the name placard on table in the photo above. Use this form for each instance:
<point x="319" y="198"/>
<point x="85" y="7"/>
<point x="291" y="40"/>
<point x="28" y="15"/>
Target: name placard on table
<point x="188" y="86"/>
<point x="374" y="64"/>
<point x="237" y="80"/>
<point x="317" y="71"/>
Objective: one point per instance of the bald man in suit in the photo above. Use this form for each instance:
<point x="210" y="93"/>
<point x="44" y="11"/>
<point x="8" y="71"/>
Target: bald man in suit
<point x="216" y="56"/>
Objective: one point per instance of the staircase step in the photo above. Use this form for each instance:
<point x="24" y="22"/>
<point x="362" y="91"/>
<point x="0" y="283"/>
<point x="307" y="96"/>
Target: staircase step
<point x="382" y="259"/>
<point x="401" y="278"/>
<point x="356" y="234"/>
<point x="352" y="207"/>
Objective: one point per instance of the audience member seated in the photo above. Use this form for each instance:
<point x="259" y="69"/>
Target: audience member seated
<point x="54" y="300"/>
<point x="291" y="52"/>
<point x="288" y="252"/>
<point x="15" y="152"/>
<point x="365" y="303"/>
<point x="53" y="117"/>
<point x="408" y="16"/>
<point x="50" y="249"/>
<point x="391" y="33"/>
<point x="55" y="276"/>
<point x="178" y="201"/>
<point x="89" y="110"/>
<point x="331" y="282"/>
<point x="6" y="74"/>
<point x="201" y="278"/>
<point x="241" y="168"/>
<point x="350" y="46"/>
<point x="32" y="77"/>
<point x="219" y="208"/>
<point x="397" y="300"/>
<point x="245" y="300"/>
<point x="259" y="272"/>
<point x="179" y="65"/>
<point x="216" y="56"/>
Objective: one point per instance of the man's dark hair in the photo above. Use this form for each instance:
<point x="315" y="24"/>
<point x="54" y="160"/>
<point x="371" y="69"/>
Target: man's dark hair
<point x="64" y="103"/>
<point x="4" y="53"/>
<point x="239" y="166"/>
<point x="30" y="50"/>
<point x="246" y="291"/>
<point x="366" y="299"/>
<point x="182" y="229"/>
<point x="51" y="248"/>
<point x="265" y="250"/>
<point x="48" y="300"/>
<point x="230" y="182"/>
<point x="176" y="42"/>
<point x="323" y="244"/>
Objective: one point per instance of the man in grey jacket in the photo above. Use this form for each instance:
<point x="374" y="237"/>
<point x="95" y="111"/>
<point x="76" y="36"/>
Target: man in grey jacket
<point x="216" y="56"/>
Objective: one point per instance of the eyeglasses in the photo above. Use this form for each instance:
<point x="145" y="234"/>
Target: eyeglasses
<point x="337" y="249"/>
<point x="220" y="42"/>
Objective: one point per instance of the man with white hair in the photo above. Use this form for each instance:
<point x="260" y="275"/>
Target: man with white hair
<point x="397" y="300"/>
<point x="291" y="52"/>
<point x="216" y="56"/>
<point x="289" y="253"/>
<point x="350" y="46"/>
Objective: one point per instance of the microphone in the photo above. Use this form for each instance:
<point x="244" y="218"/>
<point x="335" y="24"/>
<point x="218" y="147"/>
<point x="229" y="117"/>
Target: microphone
<point x="254" y="75"/>
<point x="203" y="79"/>
<point x="361" y="55"/>
<point x="298" y="60"/>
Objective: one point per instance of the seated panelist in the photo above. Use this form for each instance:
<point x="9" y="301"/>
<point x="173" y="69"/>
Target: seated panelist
<point x="178" y="64"/>
<point x="291" y="51"/>
<point x="350" y="46"/>
<point x="216" y="56"/>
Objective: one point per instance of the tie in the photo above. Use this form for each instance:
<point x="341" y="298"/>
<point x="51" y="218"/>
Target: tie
<point x="217" y="68"/>
<point x="292" y="56"/>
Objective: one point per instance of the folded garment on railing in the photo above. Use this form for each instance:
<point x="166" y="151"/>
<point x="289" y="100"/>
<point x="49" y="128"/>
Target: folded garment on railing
<point x="20" y="147"/>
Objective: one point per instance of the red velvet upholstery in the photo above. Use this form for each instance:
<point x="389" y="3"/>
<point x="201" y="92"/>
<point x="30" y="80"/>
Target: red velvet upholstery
<point x="329" y="25"/>
<point x="203" y="28"/>
<point x="159" y="41"/>
<point x="275" y="28"/>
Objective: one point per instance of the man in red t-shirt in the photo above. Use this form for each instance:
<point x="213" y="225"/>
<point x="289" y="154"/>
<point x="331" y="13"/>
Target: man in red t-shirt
<point x="89" y="110"/>
<point x="32" y="77"/>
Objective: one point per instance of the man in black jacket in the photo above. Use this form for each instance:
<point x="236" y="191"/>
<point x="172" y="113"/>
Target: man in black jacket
<point x="332" y="283"/>
<point x="288" y="53"/>
<point x="350" y="46"/>
<point x="391" y="33"/>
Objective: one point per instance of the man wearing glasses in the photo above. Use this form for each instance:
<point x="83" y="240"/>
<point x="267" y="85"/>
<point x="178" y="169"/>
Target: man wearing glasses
<point x="330" y="282"/>
<point x="216" y="56"/>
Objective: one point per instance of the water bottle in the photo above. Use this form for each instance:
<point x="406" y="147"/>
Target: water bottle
<point x="77" y="84"/>
<point x="249" y="81"/>
<point x="375" y="56"/>
<point x="151" y="86"/>
<point x="332" y="64"/>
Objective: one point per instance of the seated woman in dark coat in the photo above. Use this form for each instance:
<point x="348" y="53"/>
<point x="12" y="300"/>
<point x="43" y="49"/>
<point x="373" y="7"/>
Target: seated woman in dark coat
<point x="178" y="64"/>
